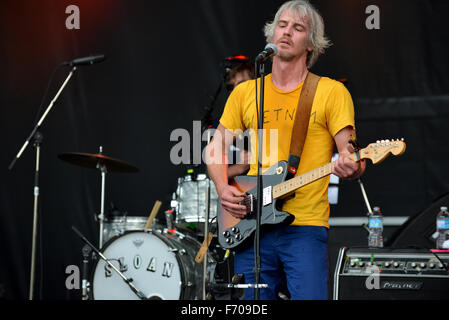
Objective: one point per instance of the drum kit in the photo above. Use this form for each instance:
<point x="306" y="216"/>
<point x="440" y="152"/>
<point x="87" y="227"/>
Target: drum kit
<point x="156" y="260"/>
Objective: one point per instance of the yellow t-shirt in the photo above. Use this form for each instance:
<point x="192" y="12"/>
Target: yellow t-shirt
<point x="332" y="110"/>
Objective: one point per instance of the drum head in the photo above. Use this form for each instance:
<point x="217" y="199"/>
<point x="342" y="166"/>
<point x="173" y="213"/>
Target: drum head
<point x="147" y="258"/>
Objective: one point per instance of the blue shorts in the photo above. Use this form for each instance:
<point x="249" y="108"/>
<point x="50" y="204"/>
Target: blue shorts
<point x="291" y="256"/>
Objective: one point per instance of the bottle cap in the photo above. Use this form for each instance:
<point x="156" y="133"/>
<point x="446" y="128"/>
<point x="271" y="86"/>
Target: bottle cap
<point x="376" y="211"/>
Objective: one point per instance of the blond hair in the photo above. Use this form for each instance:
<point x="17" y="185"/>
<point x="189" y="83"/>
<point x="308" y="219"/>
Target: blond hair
<point x="317" y="39"/>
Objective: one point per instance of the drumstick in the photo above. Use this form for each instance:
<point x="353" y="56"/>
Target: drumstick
<point x="203" y="249"/>
<point x="155" y="210"/>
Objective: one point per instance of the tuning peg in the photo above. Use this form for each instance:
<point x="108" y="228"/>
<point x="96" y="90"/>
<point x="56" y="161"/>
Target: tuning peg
<point x="402" y="139"/>
<point x="377" y="141"/>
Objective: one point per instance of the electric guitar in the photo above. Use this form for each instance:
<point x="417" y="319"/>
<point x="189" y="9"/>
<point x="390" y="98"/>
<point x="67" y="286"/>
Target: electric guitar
<point x="233" y="231"/>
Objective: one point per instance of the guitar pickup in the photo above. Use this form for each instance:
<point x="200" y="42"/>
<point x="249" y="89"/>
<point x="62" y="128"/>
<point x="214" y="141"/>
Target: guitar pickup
<point x="267" y="196"/>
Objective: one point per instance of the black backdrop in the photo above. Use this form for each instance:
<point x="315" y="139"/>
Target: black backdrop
<point x="163" y="65"/>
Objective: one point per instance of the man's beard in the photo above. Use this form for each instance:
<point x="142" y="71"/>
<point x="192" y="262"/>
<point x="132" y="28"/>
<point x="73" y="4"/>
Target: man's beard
<point x="286" y="56"/>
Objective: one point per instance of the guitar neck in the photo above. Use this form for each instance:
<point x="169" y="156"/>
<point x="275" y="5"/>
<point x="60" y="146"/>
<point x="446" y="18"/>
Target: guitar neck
<point x="287" y="187"/>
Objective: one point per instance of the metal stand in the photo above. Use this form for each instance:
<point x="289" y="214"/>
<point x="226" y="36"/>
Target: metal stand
<point x="85" y="285"/>
<point x="37" y="136"/>
<point x="103" y="170"/>
<point x="364" y="196"/>
<point x="206" y="226"/>
<point x="206" y="235"/>
<point x="127" y="281"/>
<point x="259" y="182"/>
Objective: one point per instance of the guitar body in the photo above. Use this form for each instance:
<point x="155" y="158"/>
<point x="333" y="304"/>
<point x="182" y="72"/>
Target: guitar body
<point x="233" y="231"/>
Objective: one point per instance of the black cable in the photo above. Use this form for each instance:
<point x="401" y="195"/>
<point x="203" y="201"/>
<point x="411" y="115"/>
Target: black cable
<point x="46" y="92"/>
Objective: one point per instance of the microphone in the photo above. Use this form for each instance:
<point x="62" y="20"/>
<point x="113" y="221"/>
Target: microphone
<point x="269" y="51"/>
<point x="85" y="60"/>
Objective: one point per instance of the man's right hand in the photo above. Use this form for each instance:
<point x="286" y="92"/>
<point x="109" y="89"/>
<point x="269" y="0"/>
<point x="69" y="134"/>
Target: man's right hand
<point x="230" y="198"/>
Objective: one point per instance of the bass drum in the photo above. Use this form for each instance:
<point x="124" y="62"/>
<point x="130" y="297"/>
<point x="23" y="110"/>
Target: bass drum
<point x="161" y="265"/>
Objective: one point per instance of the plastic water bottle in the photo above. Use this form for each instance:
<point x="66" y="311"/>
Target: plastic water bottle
<point x="375" y="226"/>
<point x="442" y="227"/>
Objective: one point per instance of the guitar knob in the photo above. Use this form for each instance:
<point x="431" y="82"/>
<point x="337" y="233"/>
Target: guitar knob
<point x="238" y="237"/>
<point x="229" y="241"/>
<point x="235" y="230"/>
<point x="226" y="234"/>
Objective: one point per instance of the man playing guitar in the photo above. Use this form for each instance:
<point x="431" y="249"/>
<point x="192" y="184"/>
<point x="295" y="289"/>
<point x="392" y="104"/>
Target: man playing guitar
<point x="296" y="253"/>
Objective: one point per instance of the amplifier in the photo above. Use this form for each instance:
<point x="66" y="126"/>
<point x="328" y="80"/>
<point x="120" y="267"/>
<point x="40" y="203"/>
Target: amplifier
<point x="391" y="274"/>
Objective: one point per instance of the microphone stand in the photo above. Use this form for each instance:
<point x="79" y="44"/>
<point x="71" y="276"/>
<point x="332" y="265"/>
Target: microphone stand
<point x="257" y="268"/>
<point x="128" y="281"/>
<point x="37" y="136"/>
<point x="364" y="196"/>
<point x="206" y="123"/>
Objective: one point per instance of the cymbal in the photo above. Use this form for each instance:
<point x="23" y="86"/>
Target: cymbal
<point x="89" y="160"/>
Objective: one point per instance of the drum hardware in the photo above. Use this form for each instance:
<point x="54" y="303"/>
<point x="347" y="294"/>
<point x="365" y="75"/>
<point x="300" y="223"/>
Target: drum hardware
<point x="103" y="163"/>
<point x="128" y="281"/>
<point x="85" y="282"/>
<point x="182" y="251"/>
<point x="169" y="221"/>
<point x="236" y="288"/>
<point x="206" y="235"/>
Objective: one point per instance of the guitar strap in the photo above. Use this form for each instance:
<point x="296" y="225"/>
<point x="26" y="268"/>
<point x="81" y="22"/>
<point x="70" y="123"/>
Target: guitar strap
<point x="301" y="123"/>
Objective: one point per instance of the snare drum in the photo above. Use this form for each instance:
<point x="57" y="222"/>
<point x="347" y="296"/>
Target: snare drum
<point x="161" y="265"/>
<point x="191" y="200"/>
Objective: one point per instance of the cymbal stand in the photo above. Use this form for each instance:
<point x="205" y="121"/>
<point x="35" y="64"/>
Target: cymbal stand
<point x="206" y="235"/>
<point x="206" y="226"/>
<point x="103" y="170"/>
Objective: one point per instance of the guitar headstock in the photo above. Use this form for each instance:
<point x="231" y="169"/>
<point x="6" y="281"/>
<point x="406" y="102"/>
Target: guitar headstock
<point x="378" y="151"/>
